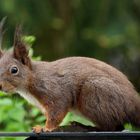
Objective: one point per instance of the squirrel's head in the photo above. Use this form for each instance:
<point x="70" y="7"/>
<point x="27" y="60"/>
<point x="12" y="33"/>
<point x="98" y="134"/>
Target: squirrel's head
<point x="15" y="66"/>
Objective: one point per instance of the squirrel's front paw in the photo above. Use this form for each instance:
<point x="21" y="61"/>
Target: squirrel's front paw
<point x="37" y="129"/>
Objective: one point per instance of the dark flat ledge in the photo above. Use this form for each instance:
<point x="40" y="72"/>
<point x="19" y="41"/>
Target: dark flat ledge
<point x="134" y="134"/>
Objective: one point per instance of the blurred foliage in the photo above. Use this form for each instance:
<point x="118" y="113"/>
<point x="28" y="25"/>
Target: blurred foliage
<point x="103" y="29"/>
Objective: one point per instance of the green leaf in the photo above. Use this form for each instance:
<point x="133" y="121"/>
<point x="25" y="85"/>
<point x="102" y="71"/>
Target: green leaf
<point x="35" y="111"/>
<point x="29" y="40"/>
<point x="5" y="101"/>
<point x="70" y="117"/>
<point x="128" y="126"/>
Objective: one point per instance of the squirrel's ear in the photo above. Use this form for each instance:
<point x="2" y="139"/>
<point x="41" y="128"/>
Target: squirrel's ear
<point x="20" y="51"/>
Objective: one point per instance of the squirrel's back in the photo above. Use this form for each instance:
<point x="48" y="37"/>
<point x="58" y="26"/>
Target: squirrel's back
<point x="84" y="67"/>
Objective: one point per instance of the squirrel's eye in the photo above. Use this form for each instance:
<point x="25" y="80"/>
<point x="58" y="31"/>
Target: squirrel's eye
<point x="14" y="70"/>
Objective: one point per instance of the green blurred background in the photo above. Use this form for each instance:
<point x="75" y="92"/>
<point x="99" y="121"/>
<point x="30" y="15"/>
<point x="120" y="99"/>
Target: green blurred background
<point x="104" y="29"/>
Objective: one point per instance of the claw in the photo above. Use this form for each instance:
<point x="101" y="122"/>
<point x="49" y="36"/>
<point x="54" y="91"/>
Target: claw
<point x="37" y="129"/>
<point x="47" y="130"/>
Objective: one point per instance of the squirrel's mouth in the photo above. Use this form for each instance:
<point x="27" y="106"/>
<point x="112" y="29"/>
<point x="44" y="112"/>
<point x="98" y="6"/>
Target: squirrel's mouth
<point x="8" y="90"/>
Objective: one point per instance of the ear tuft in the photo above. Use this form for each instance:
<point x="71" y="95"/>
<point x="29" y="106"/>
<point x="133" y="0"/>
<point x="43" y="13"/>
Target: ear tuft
<point x="2" y="22"/>
<point x="20" y="50"/>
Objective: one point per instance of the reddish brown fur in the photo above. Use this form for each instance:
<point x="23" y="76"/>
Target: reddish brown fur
<point x="95" y="89"/>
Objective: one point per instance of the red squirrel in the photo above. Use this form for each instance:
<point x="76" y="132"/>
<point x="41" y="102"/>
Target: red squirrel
<point x="88" y="86"/>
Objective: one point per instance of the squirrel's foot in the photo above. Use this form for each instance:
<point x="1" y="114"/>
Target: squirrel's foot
<point x="37" y="129"/>
<point x="47" y="129"/>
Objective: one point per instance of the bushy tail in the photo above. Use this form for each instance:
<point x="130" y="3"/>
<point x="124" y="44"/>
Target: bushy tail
<point x="135" y="112"/>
